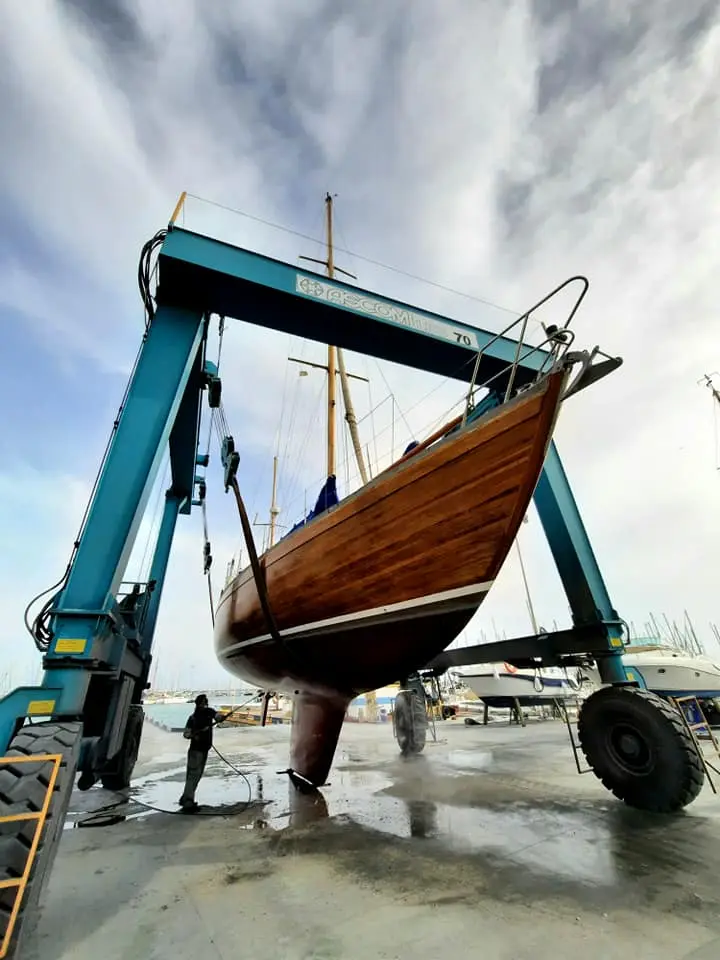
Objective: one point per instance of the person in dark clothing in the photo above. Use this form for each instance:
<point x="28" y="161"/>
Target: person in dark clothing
<point x="199" y="731"/>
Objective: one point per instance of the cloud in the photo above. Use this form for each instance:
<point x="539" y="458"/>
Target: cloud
<point x="495" y="148"/>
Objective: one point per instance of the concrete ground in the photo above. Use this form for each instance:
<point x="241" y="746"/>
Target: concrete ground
<point x="490" y="844"/>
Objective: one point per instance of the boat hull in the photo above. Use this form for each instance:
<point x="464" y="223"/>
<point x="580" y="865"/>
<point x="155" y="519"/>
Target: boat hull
<point x="674" y="674"/>
<point x="380" y="584"/>
<point x="498" y="687"/>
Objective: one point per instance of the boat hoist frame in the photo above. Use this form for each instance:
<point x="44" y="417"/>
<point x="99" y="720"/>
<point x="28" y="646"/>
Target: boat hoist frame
<point x="99" y="630"/>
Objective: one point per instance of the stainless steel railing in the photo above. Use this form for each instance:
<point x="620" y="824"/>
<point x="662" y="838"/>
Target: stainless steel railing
<point x="558" y="338"/>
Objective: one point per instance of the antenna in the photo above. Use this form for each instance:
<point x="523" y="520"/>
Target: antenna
<point x="707" y="379"/>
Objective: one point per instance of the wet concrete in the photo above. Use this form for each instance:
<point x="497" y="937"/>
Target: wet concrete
<point x="490" y="842"/>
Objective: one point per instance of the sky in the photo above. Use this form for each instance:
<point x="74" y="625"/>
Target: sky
<point x="495" y="149"/>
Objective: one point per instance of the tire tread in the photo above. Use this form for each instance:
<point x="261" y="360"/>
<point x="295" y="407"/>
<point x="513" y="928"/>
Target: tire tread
<point x="671" y="797"/>
<point x="22" y="790"/>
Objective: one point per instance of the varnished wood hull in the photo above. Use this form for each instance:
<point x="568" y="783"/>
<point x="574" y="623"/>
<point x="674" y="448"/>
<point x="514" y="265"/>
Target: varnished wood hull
<point x="383" y="582"/>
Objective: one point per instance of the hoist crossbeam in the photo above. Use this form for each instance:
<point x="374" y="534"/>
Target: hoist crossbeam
<point x="215" y="277"/>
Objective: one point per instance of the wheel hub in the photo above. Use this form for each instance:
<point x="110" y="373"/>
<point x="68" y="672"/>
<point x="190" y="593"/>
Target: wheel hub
<point x="630" y="748"/>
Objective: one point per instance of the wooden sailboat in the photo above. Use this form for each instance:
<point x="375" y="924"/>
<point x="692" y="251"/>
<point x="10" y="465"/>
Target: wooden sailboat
<point x="374" y="586"/>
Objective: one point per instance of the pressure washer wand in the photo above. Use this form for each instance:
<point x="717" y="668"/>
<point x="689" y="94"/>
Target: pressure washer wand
<point x="239" y="707"/>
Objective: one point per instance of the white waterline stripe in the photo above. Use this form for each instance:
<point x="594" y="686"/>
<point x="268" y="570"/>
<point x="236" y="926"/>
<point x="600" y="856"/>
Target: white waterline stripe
<point x="430" y="600"/>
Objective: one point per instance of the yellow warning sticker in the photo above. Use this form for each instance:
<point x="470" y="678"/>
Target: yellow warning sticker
<point x="70" y="645"/>
<point x="616" y="641"/>
<point x="630" y="676"/>
<point x="42" y="708"/>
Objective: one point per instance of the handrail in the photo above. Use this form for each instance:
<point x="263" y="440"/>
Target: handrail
<point x="560" y="338"/>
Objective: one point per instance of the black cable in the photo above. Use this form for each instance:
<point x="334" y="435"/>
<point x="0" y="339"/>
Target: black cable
<point x="145" y="273"/>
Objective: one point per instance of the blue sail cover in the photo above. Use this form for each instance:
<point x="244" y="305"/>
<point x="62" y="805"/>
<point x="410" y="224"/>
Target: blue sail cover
<point x="328" y="498"/>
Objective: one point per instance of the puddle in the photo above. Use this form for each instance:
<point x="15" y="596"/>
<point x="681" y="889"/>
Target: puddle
<point x="458" y="803"/>
<point x="468" y="759"/>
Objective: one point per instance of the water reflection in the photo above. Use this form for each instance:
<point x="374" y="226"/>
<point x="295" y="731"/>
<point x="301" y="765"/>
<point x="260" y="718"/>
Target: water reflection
<point x="422" y="818"/>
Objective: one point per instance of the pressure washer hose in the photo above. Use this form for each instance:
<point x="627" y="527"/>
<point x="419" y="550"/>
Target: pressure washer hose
<point x="97" y="818"/>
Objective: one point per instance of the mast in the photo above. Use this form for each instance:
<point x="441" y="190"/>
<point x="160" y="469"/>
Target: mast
<point x="370" y="696"/>
<point x="273" y="505"/>
<point x="336" y="364"/>
<point x="344" y="384"/>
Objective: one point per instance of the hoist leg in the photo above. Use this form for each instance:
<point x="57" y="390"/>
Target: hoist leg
<point x="159" y="565"/>
<point x="575" y="561"/>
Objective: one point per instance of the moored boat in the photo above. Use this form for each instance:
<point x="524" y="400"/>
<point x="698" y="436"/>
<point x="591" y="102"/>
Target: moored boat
<point x="670" y="671"/>
<point x="502" y="685"/>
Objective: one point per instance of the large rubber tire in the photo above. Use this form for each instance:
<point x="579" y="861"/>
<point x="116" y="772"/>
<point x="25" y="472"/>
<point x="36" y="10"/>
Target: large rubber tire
<point x="124" y="763"/>
<point x="410" y="722"/>
<point x="638" y="746"/>
<point x="23" y="788"/>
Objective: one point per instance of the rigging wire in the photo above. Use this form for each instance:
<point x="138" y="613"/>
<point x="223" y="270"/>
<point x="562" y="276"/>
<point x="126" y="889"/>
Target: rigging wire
<point x="358" y="256"/>
<point x="155" y="514"/>
<point x="404" y="418"/>
<point x="288" y="456"/>
<point x="427" y="429"/>
<point x="371" y="414"/>
<point x="292" y="494"/>
<point x="283" y="396"/>
<point x="292" y="488"/>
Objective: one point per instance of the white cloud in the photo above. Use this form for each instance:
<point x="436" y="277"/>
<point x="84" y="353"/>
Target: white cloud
<point x="426" y="124"/>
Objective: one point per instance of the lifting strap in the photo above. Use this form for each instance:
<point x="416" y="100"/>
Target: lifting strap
<point x="258" y="572"/>
<point x="231" y="461"/>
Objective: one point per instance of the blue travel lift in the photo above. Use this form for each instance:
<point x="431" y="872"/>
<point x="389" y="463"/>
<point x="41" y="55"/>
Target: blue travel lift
<point x="96" y="631"/>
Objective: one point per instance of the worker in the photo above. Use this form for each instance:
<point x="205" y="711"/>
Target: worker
<point x="199" y="731"/>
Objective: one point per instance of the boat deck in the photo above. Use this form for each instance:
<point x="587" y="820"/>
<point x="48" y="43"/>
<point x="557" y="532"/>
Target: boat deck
<point x="490" y="842"/>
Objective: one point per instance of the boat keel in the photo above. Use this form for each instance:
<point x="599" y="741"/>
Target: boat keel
<point x="316" y="725"/>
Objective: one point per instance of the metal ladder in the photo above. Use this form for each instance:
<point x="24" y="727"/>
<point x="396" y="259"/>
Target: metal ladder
<point x="694" y="728"/>
<point x="561" y="703"/>
<point x="39" y="817"/>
